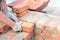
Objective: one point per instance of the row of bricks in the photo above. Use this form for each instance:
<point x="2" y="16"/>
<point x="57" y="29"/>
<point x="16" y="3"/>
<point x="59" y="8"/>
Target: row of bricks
<point x="26" y="26"/>
<point x="11" y="35"/>
<point x="37" y="37"/>
<point x="46" y="33"/>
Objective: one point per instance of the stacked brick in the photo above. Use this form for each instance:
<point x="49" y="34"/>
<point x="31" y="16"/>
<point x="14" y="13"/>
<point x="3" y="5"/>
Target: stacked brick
<point x="20" y="7"/>
<point x="20" y="11"/>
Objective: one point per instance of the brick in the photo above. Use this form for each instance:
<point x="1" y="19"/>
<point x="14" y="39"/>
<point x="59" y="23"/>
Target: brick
<point x="21" y="14"/>
<point x="45" y="37"/>
<point x="27" y="26"/>
<point x="19" y="9"/>
<point x="38" y="37"/>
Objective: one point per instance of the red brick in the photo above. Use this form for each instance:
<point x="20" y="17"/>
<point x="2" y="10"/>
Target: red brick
<point x="27" y="26"/>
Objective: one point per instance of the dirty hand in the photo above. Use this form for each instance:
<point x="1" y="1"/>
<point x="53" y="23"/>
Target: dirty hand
<point x="17" y="26"/>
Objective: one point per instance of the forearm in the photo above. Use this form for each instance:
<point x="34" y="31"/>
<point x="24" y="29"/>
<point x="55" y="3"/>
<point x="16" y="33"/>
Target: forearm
<point x="6" y="20"/>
